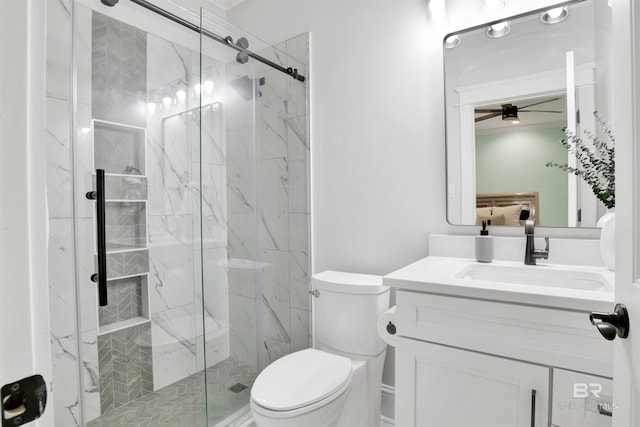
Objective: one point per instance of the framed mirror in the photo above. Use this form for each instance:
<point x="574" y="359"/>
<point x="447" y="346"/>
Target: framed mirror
<point x="512" y="86"/>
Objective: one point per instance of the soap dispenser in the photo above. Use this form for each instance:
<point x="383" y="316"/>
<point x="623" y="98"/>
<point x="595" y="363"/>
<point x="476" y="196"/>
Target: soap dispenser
<point x="484" y="245"/>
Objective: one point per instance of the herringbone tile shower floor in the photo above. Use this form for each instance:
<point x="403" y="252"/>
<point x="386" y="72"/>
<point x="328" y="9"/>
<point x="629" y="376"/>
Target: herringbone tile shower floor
<point x="182" y="404"/>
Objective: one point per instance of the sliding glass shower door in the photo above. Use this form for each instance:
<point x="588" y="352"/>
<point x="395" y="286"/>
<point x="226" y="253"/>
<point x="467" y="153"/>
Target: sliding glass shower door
<point x="150" y="218"/>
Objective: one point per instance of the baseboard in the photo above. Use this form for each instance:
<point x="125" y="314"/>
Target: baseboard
<point x="388" y="410"/>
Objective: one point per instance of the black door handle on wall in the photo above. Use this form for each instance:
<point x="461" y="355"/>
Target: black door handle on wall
<point x="612" y="324"/>
<point x="101" y="277"/>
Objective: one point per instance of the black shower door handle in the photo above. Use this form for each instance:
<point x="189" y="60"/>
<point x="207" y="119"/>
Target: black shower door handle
<point x="101" y="277"/>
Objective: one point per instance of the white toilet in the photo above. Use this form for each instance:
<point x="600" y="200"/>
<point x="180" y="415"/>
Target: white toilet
<point x="337" y="383"/>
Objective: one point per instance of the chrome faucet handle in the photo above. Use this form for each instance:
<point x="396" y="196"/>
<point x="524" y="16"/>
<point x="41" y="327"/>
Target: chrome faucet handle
<point x="529" y="226"/>
<point x="546" y="245"/>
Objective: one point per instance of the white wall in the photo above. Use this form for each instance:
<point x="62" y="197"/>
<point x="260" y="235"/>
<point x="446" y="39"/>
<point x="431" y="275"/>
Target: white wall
<point x="373" y="148"/>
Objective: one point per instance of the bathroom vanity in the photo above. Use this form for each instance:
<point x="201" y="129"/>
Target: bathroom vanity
<point x="501" y="344"/>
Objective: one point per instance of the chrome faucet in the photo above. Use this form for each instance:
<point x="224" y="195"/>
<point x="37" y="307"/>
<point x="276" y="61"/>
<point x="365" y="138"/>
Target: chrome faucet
<point x="531" y="254"/>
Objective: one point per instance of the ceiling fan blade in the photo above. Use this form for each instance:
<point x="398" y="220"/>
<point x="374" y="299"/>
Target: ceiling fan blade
<point x="488" y="116"/>
<point x="538" y="103"/>
<point x="488" y="110"/>
<point x="539" y="111"/>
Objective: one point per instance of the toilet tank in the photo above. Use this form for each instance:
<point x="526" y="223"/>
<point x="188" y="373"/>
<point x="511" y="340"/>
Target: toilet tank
<point x="346" y="311"/>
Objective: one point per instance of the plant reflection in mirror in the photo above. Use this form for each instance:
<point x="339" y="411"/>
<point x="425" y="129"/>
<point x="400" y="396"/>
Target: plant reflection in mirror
<point x="596" y="161"/>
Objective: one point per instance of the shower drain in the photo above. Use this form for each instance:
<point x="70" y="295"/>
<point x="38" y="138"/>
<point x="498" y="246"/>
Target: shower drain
<point x="237" y="388"/>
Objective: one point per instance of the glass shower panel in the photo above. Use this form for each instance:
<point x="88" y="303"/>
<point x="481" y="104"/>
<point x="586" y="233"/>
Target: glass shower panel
<point x="229" y="260"/>
<point x="138" y="121"/>
<point x="264" y="301"/>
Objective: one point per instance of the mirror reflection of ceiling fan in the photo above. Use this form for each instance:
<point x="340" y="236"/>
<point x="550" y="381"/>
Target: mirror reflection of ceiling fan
<point x="510" y="111"/>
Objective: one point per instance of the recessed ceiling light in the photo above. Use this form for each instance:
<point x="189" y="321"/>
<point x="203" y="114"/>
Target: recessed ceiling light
<point x="499" y="29"/>
<point x="555" y="15"/>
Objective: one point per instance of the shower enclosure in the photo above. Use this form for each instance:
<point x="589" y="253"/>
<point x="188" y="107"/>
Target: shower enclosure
<point x="179" y="263"/>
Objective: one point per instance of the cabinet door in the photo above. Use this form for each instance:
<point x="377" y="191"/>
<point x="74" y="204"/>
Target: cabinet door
<point x="439" y="386"/>
<point x="581" y="400"/>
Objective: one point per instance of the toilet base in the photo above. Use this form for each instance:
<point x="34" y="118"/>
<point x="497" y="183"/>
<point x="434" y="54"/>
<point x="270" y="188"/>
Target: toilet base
<point x="362" y="408"/>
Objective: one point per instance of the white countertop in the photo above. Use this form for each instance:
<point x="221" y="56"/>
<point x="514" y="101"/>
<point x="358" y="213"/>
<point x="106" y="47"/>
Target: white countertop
<point x="436" y="274"/>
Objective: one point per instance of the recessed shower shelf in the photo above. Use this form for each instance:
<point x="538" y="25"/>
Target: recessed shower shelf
<point x="128" y="303"/>
<point x="123" y="324"/>
<point x="124" y="249"/>
<point x="125" y="201"/>
<point x="129" y="276"/>
<point x="119" y="148"/>
<point x="126" y="175"/>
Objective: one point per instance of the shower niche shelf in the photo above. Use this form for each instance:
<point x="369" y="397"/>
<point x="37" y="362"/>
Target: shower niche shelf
<point x="121" y="150"/>
<point x="126" y="226"/>
<point x="128" y="304"/>
<point x="124" y="324"/>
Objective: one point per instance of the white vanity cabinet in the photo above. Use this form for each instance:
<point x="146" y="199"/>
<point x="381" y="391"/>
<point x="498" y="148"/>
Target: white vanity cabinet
<point x="440" y="386"/>
<point x="472" y="362"/>
<point x="581" y="400"/>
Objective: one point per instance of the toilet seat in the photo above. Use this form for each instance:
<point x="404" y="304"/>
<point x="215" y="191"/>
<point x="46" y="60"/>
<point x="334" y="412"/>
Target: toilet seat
<point x="300" y="380"/>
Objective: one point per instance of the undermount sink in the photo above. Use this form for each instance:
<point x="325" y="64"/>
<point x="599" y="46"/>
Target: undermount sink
<point x="537" y="276"/>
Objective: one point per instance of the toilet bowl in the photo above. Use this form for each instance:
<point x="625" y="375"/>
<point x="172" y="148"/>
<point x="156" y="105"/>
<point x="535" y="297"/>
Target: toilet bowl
<point x="336" y="384"/>
<point x="305" y="388"/>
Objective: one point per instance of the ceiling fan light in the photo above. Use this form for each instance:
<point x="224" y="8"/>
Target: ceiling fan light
<point x="555" y="15"/>
<point x="510" y="112"/>
<point x="499" y="29"/>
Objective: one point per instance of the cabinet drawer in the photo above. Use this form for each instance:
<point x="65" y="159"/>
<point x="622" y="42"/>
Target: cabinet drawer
<point x="542" y="335"/>
<point x="581" y="400"/>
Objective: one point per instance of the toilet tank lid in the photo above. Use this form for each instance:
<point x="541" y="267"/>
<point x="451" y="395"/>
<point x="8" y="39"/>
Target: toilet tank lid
<point x="300" y="379"/>
<point x="349" y="283"/>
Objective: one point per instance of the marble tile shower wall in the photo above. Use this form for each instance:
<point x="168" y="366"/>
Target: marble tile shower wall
<point x="281" y="265"/>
